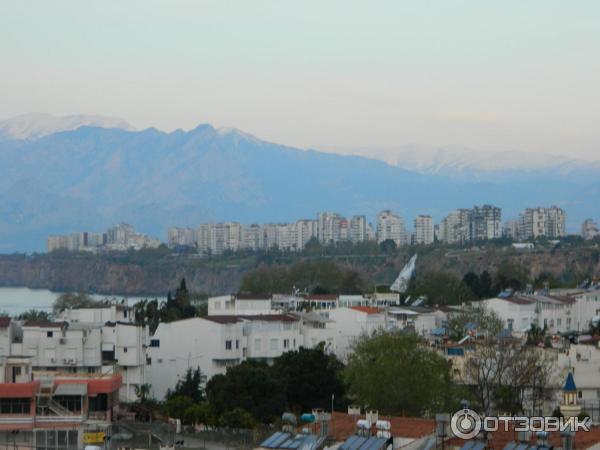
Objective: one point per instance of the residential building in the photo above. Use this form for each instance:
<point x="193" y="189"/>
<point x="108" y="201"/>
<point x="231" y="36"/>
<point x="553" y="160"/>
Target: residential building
<point x="511" y="230"/>
<point x="55" y="410"/>
<point x="358" y="229"/>
<point x="424" y="230"/>
<point x="391" y="227"/>
<point x="486" y="223"/>
<point x="329" y="227"/>
<point x="455" y="227"/>
<point x="216" y="342"/>
<point x="537" y="222"/>
<point x="589" y="229"/>
<point x="351" y="323"/>
<point x="240" y="305"/>
<point x="181" y="236"/>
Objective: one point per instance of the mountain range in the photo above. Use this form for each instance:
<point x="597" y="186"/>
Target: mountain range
<point x="60" y="175"/>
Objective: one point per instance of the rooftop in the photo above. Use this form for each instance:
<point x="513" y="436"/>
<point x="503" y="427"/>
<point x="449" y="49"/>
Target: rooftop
<point x="369" y="310"/>
<point x="343" y="426"/>
<point x="252" y="318"/>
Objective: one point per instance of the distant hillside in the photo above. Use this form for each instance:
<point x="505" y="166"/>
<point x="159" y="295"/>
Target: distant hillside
<point x="91" y="178"/>
<point x="155" y="272"/>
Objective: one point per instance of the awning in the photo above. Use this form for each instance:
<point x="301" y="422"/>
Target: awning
<point x="79" y="389"/>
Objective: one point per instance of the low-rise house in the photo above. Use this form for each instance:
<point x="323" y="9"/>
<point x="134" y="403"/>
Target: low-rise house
<point x="214" y="343"/>
<point x="54" y="411"/>
<point x="240" y="305"/>
<point x="351" y="323"/>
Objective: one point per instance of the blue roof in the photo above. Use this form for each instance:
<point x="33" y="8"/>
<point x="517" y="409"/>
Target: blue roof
<point x="570" y="384"/>
<point x="438" y="332"/>
<point x="471" y="326"/>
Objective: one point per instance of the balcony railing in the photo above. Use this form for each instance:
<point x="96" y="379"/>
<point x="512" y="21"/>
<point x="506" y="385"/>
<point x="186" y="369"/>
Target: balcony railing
<point x="59" y="419"/>
<point x="17" y="420"/>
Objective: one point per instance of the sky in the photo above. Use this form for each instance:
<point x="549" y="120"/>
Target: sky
<point x="490" y="75"/>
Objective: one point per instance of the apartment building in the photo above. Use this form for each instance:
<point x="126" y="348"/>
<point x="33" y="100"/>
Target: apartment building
<point x="456" y="227"/>
<point x="216" y="342"/>
<point x="391" y="227"/>
<point x="423" y="230"/>
<point x="557" y="313"/>
<point x="87" y="341"/>
<point x="538" y="222"/>
<point x="55" y="410"/>
<point x="589" y="229"/>
<point x="486" y="223"/>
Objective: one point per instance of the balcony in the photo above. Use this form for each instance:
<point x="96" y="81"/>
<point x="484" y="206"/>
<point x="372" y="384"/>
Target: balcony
<point x="16" y="420"/>
<point x="59" y="419"/>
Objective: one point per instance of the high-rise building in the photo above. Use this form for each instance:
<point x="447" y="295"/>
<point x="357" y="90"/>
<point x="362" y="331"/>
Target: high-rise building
<point x="329" y="227"/>
<point x="536" y="222"/>
<point x="423" y="230"/>
<point x="589" y="229"/>
<point x="391" y="226"/>
<point x="358" y="229"/>
<point x="456" y="227"/>
<point x="486" y="223"/>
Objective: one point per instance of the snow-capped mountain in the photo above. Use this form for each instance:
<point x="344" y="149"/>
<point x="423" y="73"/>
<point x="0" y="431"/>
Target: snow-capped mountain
<point x="37" y="125"/>
<point x="465" y="163"/>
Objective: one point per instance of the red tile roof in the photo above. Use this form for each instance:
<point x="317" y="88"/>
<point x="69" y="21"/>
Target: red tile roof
<point x="4" y="321"/>
<point x="519" y="300"/>
<point x="19" y="390"/>
<point x="498" y="439"/>
<point x="342" y="426"/>
<point x="253" y="297"/>
<point x="366" y="309"/>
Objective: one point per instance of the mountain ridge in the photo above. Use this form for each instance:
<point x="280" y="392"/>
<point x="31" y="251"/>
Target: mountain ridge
<point x="92" y="177"/>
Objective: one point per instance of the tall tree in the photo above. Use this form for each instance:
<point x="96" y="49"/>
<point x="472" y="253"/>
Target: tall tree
<point x="399" y="374"/>
<point x="310" y="377"/>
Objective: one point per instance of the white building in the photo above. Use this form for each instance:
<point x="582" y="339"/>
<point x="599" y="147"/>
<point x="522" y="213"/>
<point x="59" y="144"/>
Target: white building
<point x="240" y="305"/>
<point x="358" y="229"/>
<point x="391" y="226"/>
<point x="589" y="229"/>
<point x="455" y="227"/>
<point x="214" y="343"/>
<point x="351" y="323"/>
<point x="556" y="313"/>
<point x="537" y="222"/>
<point x="424" y="230"/>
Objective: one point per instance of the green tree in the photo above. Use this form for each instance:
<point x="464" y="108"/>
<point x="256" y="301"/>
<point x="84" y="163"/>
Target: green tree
<point x="35" y="314"/>
<point x="191" y="385"/>
<point x="399" y="374"/>
<point x="237" y="418"/>
<point x="487" y="322"/>
<point x="177" y="406"/>
<point x="250" y="386"/>
<point x="142" y="391"/>
<point x="75" y="300"/>
<point x="511" y="275"/>
<point x="310" y="377"/>
<point x="440" y="288"/>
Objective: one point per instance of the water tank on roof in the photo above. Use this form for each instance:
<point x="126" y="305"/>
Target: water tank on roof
<point x="383" y="425"/>
<point x="307" y="418"/>
<point x="288" y="418"/>
<point x="363" y="424"/>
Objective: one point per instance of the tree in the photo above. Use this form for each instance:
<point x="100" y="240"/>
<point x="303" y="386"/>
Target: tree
<point x="511" y="275"/>
<point x="191" y="385"/>
<point x="199" y="413"/>
<point x="35" y="314"/>
<point x="237" y="418"/>
<point x="72" y="300"/>
<point x="250" y="386"/>
<point x="440" y="288"/>
<point x="310" y="378"/>
<point x="399" y="374"/>
<point x="388" y="246"/>
<point x="142" y="391"/>
<point x="177" y="406"/>
<point x="506" y="375"/>
<point x="486" y="322"/>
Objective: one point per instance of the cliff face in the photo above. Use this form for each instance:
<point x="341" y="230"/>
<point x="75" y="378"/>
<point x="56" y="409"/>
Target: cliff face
<point x="135" y="274"/>
<point x="102" y="276"/>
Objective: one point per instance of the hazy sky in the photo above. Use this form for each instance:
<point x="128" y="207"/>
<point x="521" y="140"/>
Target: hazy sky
<point x="494" y="75"/>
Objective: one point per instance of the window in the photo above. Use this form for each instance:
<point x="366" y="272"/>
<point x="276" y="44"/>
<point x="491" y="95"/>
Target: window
<point x="237" y="344"/>
<point x="257" y="345"/>
<point x="124" y="349"/>
<point x="227" y="345"/>
<point x="49" y="333"/>
<point x="274" y="343"/>
<point x="558" y="322"/>
<point x="15" y="405"/>
<point x="286" y="343"/>
<point x="155" y="343"/>
<point x="579" y="394"/>
<point x="294" y="342"/>
<point x="148" y="361"/>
